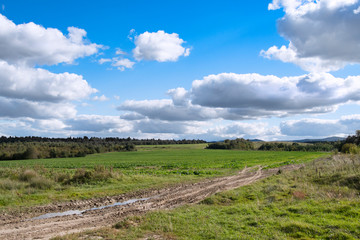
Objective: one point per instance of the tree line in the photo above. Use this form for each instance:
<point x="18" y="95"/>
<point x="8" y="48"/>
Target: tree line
<point x="16" y="148"/>
<point x="311" y="147"/>
<point x="86" y="139"/>
<point x="239" y="144"/>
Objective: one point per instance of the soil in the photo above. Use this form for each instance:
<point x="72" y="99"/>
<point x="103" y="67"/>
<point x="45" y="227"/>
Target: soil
<point x="20" y="225"/>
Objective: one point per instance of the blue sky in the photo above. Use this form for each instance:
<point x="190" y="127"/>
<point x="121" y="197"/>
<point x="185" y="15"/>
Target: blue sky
<point x="281" y="69"/>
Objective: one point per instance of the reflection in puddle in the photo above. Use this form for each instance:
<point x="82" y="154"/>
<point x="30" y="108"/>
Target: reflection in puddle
<point x="78" y="212"/>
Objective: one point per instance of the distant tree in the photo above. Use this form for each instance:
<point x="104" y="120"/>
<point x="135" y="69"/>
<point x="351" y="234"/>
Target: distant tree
<point x="30" y="153"/>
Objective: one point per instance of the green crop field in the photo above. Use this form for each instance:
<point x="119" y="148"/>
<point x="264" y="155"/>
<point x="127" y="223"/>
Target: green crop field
<point x="40" y="181"/>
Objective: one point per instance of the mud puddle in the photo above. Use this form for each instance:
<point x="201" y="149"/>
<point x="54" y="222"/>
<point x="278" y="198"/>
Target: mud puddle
<point x="78" y="212"/>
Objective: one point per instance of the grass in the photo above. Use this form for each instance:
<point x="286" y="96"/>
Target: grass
<point x="319" y="201"/>
<point x="42" y="181"/>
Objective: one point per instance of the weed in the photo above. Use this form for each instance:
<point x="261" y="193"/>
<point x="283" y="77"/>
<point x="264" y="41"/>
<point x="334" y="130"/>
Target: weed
<point x="8" y="184"/>
<point x="41" y="183"/>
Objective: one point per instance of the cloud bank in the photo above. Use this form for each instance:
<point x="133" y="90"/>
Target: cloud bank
<point x="250" y="96"/>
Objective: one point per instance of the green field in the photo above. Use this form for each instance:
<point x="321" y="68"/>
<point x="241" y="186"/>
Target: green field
<point x="319" y="201"/>
<point x="40" y="181"/>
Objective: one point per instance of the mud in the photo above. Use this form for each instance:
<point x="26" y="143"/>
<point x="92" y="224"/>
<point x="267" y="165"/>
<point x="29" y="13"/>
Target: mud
<point x="34" y="223"/>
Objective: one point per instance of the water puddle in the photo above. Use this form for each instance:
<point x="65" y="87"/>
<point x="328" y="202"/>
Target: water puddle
<point x="59" y="214"/>
<point x="78" y="212"/>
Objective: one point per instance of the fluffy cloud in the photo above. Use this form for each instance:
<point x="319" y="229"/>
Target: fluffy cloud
<point x="179" y="96"/>
<point x="159" y="46"/>
<point x="323" y="35"/>
<point x="289" y="95"/>
<point x="250" y="96"/>
<point x="122" y="63"/>
<point x="29" y="92"/>
<point x="38" y="93"/>
<point x="32" y="44"/>
<point x="307" y="93"/>
<point x="310" y="64"/>
<point x="37" y="84"/>
<point x="320" y="127"/>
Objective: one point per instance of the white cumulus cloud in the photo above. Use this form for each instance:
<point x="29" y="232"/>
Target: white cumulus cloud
<point x="159" y="46"/>
<point x="122" y="63"/>
<point x="38" y="84"/>
<point x="323" y="34"/>
<point x="28" y="91"/>
<point x="249" y="96"/>
<point x="307" y="93"/>
<point x="32" y="44"/>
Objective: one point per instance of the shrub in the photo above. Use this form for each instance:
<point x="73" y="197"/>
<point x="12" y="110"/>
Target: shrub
<point x="350" y="148"/>
<point x="61" y="177"/>
<point x="101" y="173"/>
<point x="27" y="175"/>
<point x="81" y="176"/>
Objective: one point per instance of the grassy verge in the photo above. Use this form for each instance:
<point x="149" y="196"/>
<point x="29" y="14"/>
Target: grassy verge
<point x="320" y="201"/>
<point x="42" y="181"/>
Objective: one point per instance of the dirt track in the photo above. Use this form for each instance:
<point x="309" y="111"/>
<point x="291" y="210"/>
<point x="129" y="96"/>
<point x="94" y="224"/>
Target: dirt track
<point x="18" y="226"/>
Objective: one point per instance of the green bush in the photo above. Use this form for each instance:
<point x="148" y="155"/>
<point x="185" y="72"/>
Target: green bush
<point x="61" y="177"/>
<point x="98" y="174"/>
<point x="350" y="148"/>
<point x="81" y="176"/>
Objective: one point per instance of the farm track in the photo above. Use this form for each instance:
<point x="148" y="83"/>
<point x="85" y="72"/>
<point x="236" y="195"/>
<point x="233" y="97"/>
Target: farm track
<point x="20" y="226"/>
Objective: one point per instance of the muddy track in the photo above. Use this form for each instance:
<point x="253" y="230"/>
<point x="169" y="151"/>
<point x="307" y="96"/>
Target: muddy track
<point x="21" y="226"/>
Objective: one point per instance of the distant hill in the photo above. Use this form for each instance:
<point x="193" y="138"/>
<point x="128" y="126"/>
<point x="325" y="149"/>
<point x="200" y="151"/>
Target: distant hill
<point x="329" y="139"/>
<point x="256" y="140"/>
